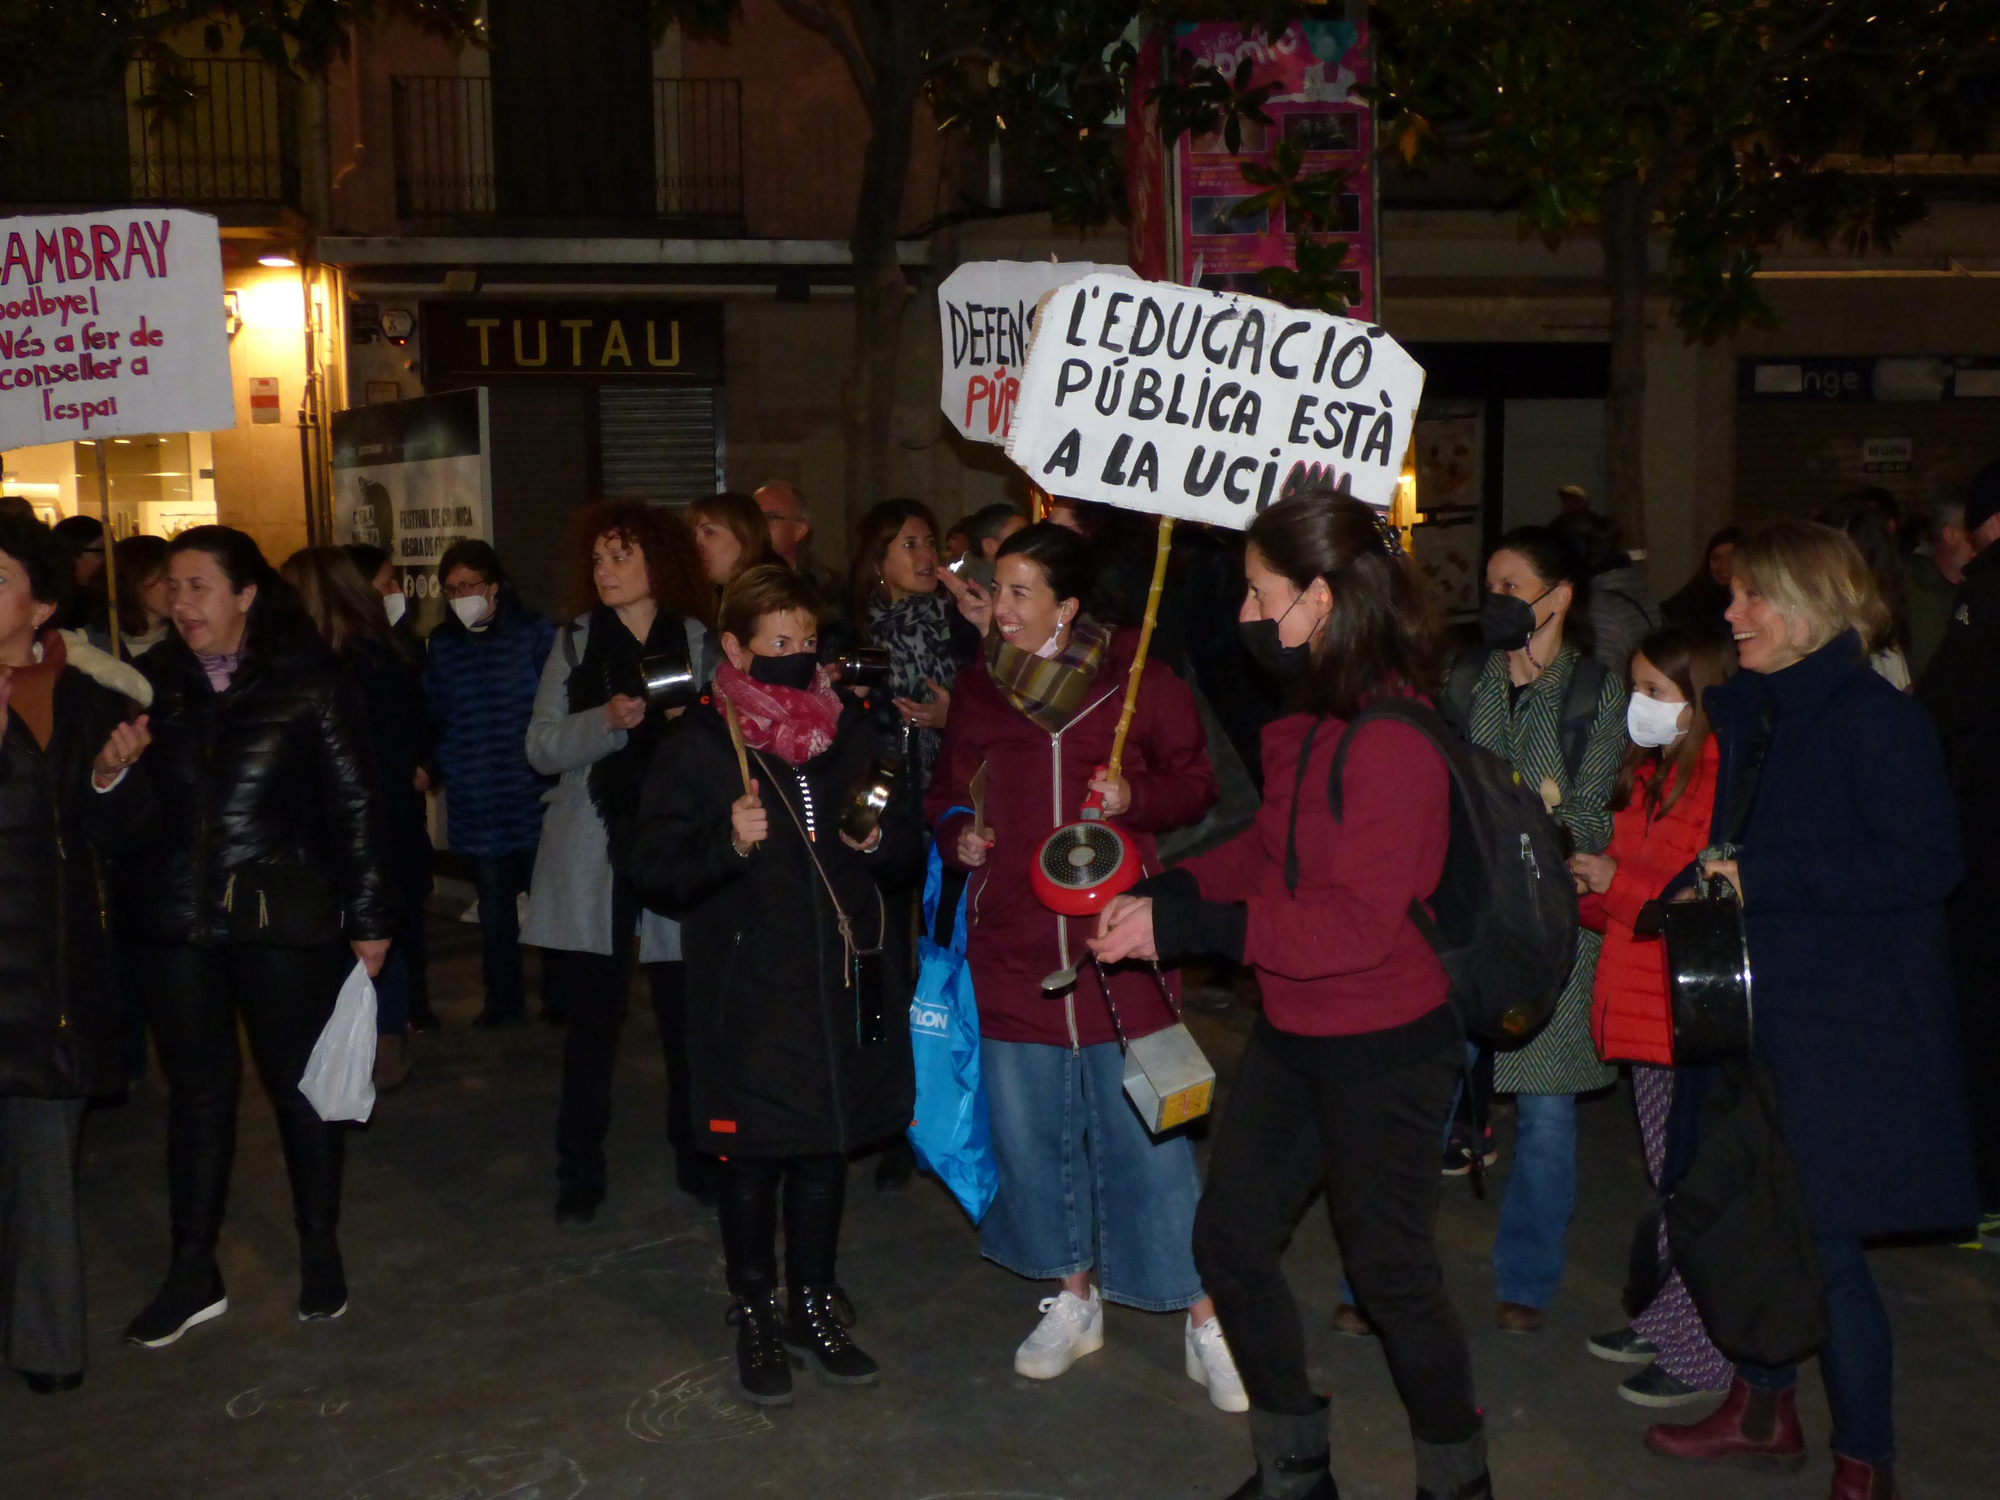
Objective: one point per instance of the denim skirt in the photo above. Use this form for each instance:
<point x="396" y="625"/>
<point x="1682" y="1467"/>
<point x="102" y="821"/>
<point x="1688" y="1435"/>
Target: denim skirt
<point x="1082" y="1182"/>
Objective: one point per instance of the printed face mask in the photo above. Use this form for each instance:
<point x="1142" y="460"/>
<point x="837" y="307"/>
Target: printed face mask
<point x="1651" y="723"/>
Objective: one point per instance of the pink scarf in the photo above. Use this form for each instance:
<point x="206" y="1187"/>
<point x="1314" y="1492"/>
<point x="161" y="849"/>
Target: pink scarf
<point x="795" y="724"/>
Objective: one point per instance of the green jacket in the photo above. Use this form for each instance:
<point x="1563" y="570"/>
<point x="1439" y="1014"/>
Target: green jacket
<point x="1931" y="596"/>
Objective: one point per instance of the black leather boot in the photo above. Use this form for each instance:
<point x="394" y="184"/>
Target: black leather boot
<point x="322" y="1277"/>
<point x="1292" y="1458"/>
<point x="193" y="1294"/>
<point x="816" y="1331"/>
<point x="1454" y="1471"/>
<point x="761" y="1366"/>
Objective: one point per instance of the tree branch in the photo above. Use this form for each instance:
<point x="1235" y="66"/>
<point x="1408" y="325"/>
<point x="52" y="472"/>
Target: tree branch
<point x="827" y="24"/>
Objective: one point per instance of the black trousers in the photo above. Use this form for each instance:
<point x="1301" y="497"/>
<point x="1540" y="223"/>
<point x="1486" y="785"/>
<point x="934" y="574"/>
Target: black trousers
<point x="283" y="997"/>
<point x="594" y="987"/>
<point x="1974" y="919"/>
<point x="815" y="1190"/>
<point x="1350" y="1113"/>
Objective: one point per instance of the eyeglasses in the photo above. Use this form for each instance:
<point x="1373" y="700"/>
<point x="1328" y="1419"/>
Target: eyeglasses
<point x="463" y="590"/>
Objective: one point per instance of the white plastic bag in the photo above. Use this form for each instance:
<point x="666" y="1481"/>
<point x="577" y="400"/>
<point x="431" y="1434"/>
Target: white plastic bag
<point x="340" y="1075"/>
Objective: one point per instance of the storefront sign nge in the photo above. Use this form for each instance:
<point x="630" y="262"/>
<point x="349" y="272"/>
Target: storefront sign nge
<point x="1208" y="406"/>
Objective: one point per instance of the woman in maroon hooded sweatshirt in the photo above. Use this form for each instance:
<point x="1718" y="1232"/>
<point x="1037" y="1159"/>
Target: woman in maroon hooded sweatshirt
<point x="1039" y="713"/>
<point x="1352" y="1065"/>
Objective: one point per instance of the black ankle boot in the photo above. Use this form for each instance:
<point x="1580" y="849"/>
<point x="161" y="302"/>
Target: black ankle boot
<point x="761" y="1366"/>
<point x="1292" y="1458"/>
<point x="816" y="1331"/>
<point x="193" y="1294"/>
<point x="322" y="1278"/>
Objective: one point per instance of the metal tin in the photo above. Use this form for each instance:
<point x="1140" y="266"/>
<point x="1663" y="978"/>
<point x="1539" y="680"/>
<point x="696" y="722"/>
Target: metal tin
<point x="868" y="798"/>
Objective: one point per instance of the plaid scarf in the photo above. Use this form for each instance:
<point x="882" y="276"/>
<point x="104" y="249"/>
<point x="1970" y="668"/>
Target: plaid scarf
<point x="1049" y="691"/>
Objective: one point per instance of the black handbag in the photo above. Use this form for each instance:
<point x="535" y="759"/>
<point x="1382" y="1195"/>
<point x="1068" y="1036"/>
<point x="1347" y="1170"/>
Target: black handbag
<point x="1738" y="1230"/>
<point x="282" y="906"/>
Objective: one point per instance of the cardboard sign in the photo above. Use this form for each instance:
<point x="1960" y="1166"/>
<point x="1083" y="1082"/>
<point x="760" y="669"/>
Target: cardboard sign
<point x="111" y="322"/>
<point x="1206" y="405"/>
<point x="986" y="315"/>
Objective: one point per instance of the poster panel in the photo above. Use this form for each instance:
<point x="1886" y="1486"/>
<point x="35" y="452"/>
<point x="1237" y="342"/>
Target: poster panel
<point x="412" y="477"/>
<point x="986" y="316"/>
<point x="1206" y="405"/>
<point x="111" y="322"/>
<point x="1317" y="65"/>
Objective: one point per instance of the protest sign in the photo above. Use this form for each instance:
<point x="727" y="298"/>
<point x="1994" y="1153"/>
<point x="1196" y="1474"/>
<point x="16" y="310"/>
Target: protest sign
<point x="1206" y="405"/>
<point x="111" y="322"/>
<point x="986" y="312"/>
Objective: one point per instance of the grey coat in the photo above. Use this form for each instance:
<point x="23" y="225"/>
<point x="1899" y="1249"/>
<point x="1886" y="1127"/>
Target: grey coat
<point x="569" y="902"/>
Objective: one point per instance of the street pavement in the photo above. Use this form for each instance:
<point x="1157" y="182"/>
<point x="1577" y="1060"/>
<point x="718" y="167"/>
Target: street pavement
<point x="487" y="1353"/>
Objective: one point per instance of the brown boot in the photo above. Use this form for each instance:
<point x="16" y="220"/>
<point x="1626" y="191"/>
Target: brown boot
<point x="1854" y="1480"/>
<point x="392" y="1061"/>
<point x="1751" y="1426"/>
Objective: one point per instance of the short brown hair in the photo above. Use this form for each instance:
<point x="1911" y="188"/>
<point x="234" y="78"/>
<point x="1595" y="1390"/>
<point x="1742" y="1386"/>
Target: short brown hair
<point x="673" y="567"/>
<point x="745" y="520"/>
<point x="1816" y="574"/>
<point x="767" y="589"/>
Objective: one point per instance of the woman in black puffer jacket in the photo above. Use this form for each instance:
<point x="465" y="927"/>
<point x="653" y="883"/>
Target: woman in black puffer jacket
<point x="263" y="885"/>
<point x="61" y="706"/>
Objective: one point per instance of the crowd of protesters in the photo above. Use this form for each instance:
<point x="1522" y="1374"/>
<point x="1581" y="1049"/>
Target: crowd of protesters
<point x="212" y="813"/>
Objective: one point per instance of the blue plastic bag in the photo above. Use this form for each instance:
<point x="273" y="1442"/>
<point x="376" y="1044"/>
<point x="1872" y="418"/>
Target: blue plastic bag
<point x="951" y="1134"/>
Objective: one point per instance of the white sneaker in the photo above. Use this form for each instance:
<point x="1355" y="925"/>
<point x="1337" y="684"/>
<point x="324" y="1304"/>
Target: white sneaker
<point x="1209" y="1363"/>
<point x="1070" y="1328"/>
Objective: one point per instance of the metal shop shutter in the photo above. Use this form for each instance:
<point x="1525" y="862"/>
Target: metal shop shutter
<point x="658" y="442"/>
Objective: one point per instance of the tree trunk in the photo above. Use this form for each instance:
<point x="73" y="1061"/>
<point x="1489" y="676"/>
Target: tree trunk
<point x="880" y="292"/>
<point x="1625" y="212"/>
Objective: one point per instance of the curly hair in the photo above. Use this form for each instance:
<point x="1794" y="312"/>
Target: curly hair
<point x="673" y="568"/>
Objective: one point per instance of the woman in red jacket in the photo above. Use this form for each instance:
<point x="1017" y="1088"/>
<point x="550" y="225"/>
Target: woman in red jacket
<point x="1348" y="1075"/>
<point x="1039" y="713"/>
<point x="1665" y="802"/>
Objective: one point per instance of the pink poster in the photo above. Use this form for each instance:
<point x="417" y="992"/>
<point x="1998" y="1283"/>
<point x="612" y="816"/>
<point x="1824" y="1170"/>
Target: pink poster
<point x="1146" y="171"/>
<point x="1317" y="66"/>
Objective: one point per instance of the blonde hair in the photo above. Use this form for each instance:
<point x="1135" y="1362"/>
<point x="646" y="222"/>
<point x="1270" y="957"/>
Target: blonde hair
<point x="1815" y="574"/>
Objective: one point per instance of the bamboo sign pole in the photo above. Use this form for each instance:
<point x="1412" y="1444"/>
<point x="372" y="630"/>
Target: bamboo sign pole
<point x="1145" y="643"/>
<point x="110" y="547"/>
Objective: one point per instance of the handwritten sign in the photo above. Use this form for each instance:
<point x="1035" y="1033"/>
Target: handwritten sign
<point x="986" y="316"/>
<point x="111" y="322"/>
<point x="1207" y="405"/>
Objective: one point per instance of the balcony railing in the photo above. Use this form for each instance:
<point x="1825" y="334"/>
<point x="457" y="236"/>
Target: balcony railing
<point x="445" y="168"/>
<point x="215" y="133"/>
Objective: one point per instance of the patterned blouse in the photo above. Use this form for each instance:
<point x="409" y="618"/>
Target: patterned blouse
<point x="1527" y="734"/>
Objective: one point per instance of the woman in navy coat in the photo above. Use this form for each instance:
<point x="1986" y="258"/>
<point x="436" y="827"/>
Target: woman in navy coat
<point x="1849" y="851"/>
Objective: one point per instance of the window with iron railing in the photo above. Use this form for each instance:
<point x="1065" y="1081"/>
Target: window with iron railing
<point x="446" y="169"/>
<point x="220" y="133"/>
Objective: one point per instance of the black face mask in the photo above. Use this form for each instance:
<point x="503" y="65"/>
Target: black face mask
<point x="1507" y="621"/>
<point x="1260" y="639"/>
<point x="794" y="671"/>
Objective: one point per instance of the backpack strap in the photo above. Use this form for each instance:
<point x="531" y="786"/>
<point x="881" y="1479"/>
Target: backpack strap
<point x="1292" y="828"/>
<point x="1579" y="711"/>
<point x="1460" y="683"/>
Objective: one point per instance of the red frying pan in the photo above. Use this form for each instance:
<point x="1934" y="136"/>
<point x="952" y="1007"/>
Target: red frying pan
<point x="1082" y="865"/>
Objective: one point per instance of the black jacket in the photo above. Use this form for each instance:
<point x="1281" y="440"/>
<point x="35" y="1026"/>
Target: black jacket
<point x="272" y="773"/>
<point x="772" y="1025"/>
<point x="58" y="1032"/>
<point x="397" y="728"/>
<point x="1961" y="690"/>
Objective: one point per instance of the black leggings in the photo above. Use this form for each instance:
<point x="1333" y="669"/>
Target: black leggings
<point x="1347" y="1112"/>
<point x="284" y="996"/>
<point x="815" y="1188"/>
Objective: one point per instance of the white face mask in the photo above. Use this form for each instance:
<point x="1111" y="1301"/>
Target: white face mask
<point x="1048" y="648"/>
<point x="1651" y="723"/>
<point x="470" y="610"/>
<point x="395" y="605"/>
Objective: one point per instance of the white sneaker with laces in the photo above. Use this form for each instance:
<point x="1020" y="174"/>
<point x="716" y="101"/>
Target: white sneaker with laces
<point x="1210" y="1363"/>
<point x="1070" y="1328"/>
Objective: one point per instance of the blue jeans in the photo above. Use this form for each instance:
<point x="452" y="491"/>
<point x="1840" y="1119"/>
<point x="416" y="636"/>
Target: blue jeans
<point x="1082" y="1183"/>
<point x="500" y="879"/>
<point x="1857" y="1360"/>
<point x="1541" y="1196"/>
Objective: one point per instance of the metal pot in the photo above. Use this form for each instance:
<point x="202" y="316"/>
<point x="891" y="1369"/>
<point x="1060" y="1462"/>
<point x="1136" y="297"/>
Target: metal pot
<point x="667" y="678"/>
<point x="868" y="798"/>
<point x="863" y="667"/>
<point x="1708" y="977"/>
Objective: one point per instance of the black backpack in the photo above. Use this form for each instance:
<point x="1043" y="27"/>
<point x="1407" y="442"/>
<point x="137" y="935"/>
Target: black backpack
<point x="1503" y="917"/>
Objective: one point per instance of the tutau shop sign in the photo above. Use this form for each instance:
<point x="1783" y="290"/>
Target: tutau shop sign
<point x="481" y="341"/>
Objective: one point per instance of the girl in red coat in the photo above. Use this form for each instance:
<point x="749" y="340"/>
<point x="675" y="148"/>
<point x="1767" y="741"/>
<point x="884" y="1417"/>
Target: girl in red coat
<point x="1665" y="802"/>
<point x="1110" y="1219"/>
